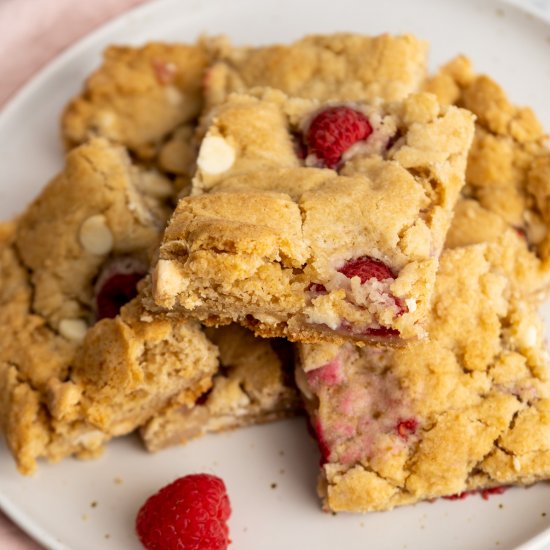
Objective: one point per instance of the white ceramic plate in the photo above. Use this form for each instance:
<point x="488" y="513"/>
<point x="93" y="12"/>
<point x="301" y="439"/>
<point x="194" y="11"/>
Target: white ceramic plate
<point x="91" y="505"/>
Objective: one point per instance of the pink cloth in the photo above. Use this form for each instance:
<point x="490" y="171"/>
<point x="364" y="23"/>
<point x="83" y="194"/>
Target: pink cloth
<point x="32" y="32"/>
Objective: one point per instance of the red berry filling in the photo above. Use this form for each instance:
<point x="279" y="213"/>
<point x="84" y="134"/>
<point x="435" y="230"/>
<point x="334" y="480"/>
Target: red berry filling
<point x="333" y="131"/>
<point x="190" y="513"/>
<point x="382" y="332"/>
<point x="485" y="493"/>
<point x="407" y="427"/>
<point x="165" y="71"/>
<point x="328" y="375"/>
<point x="367" y="268"/>
<point x="117" y="285"/>
<point x="322" y="443"/>
<point x="316" y="288"/>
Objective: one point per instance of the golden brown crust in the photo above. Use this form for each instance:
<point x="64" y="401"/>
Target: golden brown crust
<point x="138" y="96"/>
<point x="467" y="409"/>
<point x="53" y="391"/>
<point x="253" y="385"/>
<point x="262" y="225"/>
<point x="506" y="178"/>
<point x="336" y="66"/>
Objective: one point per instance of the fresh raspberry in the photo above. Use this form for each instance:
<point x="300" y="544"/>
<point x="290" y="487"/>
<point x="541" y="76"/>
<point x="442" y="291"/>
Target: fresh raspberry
<point x="367" y="268"/>
<point x="188" y="514"/>
<point x="406" y="428"/>
<point x="333" y="131"/>
<point x="117" y="285"/>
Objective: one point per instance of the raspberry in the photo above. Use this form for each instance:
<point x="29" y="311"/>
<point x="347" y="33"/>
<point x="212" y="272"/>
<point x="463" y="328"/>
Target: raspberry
<point x="333" y="131"/>
<point x="406" y="427"/>
<point x="329" y="374"/>
<point x="117" y="285"/>
<point x="165" y="71"/>
<point x="188" y="514"/>
<point x="367" y="268"/>
<point x="316" y="288"/>
<point x="324" y="448"/>
<point x="382" y="332"/>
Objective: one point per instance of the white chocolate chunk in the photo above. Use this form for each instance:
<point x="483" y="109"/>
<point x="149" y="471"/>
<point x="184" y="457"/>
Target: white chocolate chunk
<point x="530" y="336"/>
<point x="215" y="156"/>
<point x="167" y="282"/>
<point x="174" y="96"/>
<point x="73" y="329"/>
<point x="95" y="235"/>
<point x="411" y="304"/>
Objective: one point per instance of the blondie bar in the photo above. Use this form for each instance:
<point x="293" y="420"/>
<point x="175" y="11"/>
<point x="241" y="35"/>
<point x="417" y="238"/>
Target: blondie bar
<point x="139" y="96"/>
<point x="73" y="258"/>
<point x="505" y="199"/>
<point x="254" y="384"/>
<point x="467" y="409"/>
<point x="340" y="66"/>
<point x="316" y="221"/>
<point x="89" y="236"/>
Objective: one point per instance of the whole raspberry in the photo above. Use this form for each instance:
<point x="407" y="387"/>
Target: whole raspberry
<point x="333" y="131"/>
<point x="117" y="285"/>
<point x="188" y="514"/>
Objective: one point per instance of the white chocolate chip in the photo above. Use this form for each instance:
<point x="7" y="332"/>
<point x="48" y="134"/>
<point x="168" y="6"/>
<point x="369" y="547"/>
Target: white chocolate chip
<point x="167" y="283"/>
<point x="411" y="304"/>
<point x="174" y="96"/>
<point x="517" y="464"/>
<point x="216" y="155"/>
<point x="95" y="235"/>
<point x="73" y="329"/>
<point x="530" y="336"/>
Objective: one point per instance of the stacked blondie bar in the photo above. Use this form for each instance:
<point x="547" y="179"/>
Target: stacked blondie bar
<point x="241" y="234"/>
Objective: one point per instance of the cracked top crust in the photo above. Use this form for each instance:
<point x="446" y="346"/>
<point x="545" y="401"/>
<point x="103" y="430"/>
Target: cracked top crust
<point x="53" y="390"/>
<point x="264" y="225"/>
<point x="60" y="398"/>
<point x="253" y="384"/>
<point x="507" y="178"/>
<point x="99" y="208"/>
<point x="467" y="409"/>
<point x="338" y="66"/>
<point x="138" y="96"/>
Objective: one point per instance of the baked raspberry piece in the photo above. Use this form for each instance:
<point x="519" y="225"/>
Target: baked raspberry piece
<point x="117" y="285"/>
<point x="465" y="411"/>
<point x="190" y="513"/>
<point x="333" y="131"/>
<point x="340" y="245"/>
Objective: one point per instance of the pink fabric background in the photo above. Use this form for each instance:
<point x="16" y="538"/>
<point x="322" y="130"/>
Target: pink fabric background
<point x="31" y="33"/>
